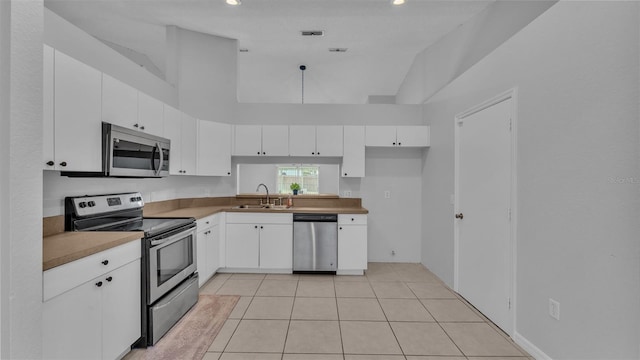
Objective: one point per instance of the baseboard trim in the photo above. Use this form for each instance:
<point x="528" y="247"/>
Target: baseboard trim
<point x="529" y="347"/>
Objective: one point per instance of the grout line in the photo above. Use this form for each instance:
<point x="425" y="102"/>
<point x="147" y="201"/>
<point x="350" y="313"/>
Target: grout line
<point x="339" y="322"/>
<point x="286" y="336"/>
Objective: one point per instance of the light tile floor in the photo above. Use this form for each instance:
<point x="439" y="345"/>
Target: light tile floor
<point x="396" y="311"/>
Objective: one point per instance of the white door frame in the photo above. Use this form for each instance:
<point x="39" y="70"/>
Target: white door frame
<point x="509" y="94"/>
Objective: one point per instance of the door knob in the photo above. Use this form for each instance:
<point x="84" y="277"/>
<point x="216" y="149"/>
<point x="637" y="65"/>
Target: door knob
<point x="460" y="216"/>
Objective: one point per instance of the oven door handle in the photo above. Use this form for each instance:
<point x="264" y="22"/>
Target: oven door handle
<point x="170" y="240"/>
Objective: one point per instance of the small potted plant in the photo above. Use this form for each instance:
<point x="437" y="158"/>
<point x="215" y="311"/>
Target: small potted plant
<point x="295" y="187"/>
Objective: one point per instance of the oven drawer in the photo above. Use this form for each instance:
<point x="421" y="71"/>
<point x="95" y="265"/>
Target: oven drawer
<point x="68" y="276"/>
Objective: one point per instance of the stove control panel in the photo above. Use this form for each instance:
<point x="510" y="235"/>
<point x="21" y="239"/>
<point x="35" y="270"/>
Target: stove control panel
<point x="94" y="205"/>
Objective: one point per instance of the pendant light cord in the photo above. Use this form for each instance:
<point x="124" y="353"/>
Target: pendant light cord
<point x="302" y="69"/>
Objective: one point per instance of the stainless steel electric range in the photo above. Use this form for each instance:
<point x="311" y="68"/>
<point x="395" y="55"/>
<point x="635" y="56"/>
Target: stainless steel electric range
<point x="168" y="274"/>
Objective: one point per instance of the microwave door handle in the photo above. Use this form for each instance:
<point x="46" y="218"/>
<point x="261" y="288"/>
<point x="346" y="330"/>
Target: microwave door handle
<point x="153" y="160"/>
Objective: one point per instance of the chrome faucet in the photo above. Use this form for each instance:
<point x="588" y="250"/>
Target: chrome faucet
<point x="266" y="188"/>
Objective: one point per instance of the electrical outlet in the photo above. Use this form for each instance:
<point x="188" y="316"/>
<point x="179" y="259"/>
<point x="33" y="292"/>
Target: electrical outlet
<point x="554" y="309"/>
<point x="347" y="193"/>
<point x="387" y="194"/>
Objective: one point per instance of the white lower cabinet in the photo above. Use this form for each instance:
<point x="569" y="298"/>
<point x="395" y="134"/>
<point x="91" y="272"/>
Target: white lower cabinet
<point x="276" y="246"/>
<point x="94" y="319"/>
<point x="243" y="246"/>
<point x="259" y="241"/>
<point x="208" y="247"/>
<point x="352" y="243"/>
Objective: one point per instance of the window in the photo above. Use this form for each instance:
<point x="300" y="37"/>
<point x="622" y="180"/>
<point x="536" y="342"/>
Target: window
<point x="306" y="176"/>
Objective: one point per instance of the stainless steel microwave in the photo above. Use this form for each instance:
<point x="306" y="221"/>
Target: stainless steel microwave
<point x="130" y="153"/>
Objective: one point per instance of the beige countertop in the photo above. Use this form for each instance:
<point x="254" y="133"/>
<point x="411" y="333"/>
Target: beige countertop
<point x="69" y="246"/>
<point x="203" y="211"/>
<point x="62" y="247"/>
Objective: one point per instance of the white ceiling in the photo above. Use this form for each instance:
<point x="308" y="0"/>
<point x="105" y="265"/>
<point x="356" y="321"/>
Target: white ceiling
<point x="382" y="39"/>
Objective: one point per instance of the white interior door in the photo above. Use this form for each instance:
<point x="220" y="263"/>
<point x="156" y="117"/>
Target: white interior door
<point x="483" y="194"/>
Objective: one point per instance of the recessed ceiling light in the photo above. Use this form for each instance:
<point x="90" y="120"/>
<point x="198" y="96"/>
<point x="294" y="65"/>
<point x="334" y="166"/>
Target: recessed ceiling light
<point x="397" y="2"/>
<point x="233" y="2"/>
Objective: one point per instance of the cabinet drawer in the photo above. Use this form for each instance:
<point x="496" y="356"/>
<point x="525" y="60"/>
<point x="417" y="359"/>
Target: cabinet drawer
<point x="206" y="222"/>
<point x="68" y="276"/>
<point x="259" y="218"/>
<point x="352" y="219"/>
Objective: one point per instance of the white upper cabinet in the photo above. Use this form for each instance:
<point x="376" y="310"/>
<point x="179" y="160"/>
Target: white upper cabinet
<point x="307" y="140"/>
<point x="119" y="103"/>
<point x="248" y="140"/>
<point x="214" y="148"/>
<point x="329" y="140"/>
<point x="389" y="136"/>
<point x="48" y="154"/>
<point x="275" y="140"/>
<point x="416" y="136"/>
<point x="188" y="145"/>
<point x="77" y="115"/>
<point x="257" y="140"/>
<point x="126" y="106"/>
<point x="181" y="129"/>
<point x="302" y="140"/>
<point x="150" y="115"/>
<point x="353" y="159"/>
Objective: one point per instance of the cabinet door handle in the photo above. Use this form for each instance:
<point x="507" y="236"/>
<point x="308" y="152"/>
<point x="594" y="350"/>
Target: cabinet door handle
<point x="142" y="127"/>
<point x="399" y="143"/>
<point x="50" y="163"/>
<point x="318" y="152"/>
<point x="340" y="227"/>
<point x="352" y="219"/>
<point x="105" y="262"/>
<point x="136" y="126"/>
<point x="313" y="153"/>
<point x="460" y="216"/>
<point x="109" y="278"/>
<point x="64" y="163"/>
<point x="99" y="284"/>
<point x="261" y="227"/>
<point x="229" y="173"/>
<point x="264" y="153"/>
<point x="394" y="143"/>
<point x="258" y="152"/>
<point x="345" y="174"/>
<point x="255" y="227"/>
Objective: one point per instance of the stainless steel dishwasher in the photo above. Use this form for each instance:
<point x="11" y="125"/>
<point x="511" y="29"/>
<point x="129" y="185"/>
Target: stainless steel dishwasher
<point x="315" y="242"/>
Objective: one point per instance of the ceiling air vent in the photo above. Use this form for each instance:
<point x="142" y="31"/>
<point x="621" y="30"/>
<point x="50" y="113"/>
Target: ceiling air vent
<point x="338" y="50"/>
<point x="312" y="32"/>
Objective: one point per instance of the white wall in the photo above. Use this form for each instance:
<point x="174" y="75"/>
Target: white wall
<point x="394" y="223"/>
<point x="20" y="179"/>
<point x="576" y="69"/>
<point x="328" y="114"/>
<point x="204" y="68"/>
<point x="457" y="51"/>
<point x="71" y="40"/>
